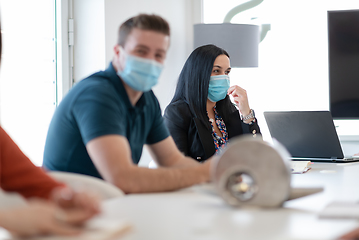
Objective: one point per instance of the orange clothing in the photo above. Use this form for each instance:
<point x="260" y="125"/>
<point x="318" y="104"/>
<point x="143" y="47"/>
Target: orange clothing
<point x="19" y="174"/>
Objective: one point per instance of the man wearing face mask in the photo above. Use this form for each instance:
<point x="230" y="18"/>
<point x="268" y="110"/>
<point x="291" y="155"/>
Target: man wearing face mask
<point x="100" y="127"/>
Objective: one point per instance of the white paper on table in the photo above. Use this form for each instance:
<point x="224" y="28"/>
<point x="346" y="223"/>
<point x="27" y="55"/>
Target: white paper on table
<point x="96" y="229"/>
<point x="340" y="210"/>
<point x="300" y="166"/>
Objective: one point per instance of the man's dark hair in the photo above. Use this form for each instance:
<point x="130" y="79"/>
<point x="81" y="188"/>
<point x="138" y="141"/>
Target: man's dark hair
<point x="193" y="82"/>
<point x="145" y="22"/>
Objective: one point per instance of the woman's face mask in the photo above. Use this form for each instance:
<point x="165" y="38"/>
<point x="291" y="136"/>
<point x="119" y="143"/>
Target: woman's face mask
<point x="218" y="87"/>
<point x="140" y="74"/>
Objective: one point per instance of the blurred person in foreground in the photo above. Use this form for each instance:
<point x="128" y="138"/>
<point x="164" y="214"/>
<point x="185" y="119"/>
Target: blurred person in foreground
<point x="52" y="207"/>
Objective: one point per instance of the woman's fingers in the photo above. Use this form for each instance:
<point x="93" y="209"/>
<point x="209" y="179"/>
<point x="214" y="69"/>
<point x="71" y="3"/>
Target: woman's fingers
<point x="237" y="91"/>
<point x="70" y="199"/>
<point x="59" y="228"/>
<point x="231" y="89"/>
<point x="240" y="99"/>
<point x="351" y="235"/>
<point x="38" y="218"/>
<point x="73" y="216"/>
<point x="87" y="200"/>
<point x="63" y="197"/>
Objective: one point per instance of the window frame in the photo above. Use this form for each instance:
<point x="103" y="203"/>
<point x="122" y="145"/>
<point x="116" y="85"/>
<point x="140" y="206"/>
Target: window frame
<point x="64" y="51"/>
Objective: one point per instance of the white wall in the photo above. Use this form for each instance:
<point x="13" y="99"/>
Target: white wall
<point x="89" y="31"/>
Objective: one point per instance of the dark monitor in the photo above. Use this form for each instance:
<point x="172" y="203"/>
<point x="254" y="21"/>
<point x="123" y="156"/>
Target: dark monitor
<point x="343" y="53"/>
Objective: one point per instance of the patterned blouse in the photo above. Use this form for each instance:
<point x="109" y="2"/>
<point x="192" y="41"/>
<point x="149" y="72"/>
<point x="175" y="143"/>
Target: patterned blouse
<point x="219" y="142"/>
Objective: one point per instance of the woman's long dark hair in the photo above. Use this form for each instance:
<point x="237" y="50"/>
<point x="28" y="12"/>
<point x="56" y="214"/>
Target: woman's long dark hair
<point x="193" y="82"/>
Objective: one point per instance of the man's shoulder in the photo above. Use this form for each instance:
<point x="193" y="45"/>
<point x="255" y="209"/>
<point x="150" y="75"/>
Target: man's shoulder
<point x="98" y="83"/>
<point x="151" y="100"/>
<point x="97" y="79"/>
<point x="100" y="75"/>
<point x="93" y="90"/>
<point x="150" y="96"/>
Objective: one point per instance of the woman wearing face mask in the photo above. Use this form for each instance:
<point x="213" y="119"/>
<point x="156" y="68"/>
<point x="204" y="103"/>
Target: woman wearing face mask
<point x="201" y="117"/>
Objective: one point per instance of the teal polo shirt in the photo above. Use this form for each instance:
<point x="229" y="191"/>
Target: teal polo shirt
<point x="97" y="106"/>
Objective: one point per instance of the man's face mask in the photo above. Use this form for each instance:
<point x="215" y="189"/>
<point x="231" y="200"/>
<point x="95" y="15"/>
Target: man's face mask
<point x="218" y="87"/>
<point x="140" y="74"/>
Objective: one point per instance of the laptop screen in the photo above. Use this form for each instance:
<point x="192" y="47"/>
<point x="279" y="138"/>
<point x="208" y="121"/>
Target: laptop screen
<point x="305" y="134"/>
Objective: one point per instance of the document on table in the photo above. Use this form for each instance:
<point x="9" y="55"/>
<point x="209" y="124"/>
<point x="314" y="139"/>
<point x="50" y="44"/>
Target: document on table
<point x="299" y="167"/>
<point x="94" y="230"/>
<point x="340" y="210"/>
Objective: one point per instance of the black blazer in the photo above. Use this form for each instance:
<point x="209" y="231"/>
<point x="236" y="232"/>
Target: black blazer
<point x="193" y="137"/>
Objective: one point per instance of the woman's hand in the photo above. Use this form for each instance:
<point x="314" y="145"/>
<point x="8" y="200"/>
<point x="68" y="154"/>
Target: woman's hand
<point x="39" y="217"/>
<point x="354" y="234"/>
<point x="78" y="206"/>
<point x="64" y="215"/>
<point x="240" y="99"/>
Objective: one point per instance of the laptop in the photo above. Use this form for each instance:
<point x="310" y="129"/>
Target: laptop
<point x="307" y="135"/>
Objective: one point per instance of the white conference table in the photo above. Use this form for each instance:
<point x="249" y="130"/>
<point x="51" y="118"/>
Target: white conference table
<point x="198" y="213"/>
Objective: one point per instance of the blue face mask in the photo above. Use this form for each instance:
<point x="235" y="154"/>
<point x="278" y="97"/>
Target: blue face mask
<point x="140" y="74"/>
<point x="218" y="87"/>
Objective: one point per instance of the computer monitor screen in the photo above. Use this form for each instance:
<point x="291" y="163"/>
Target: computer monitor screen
<point x="343" y="53"/>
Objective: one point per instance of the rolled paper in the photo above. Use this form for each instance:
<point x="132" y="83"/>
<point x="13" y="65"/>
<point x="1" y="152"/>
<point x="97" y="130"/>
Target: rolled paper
<point x="252" y="172"/>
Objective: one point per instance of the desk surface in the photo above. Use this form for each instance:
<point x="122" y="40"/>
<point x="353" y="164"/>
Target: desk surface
<point x="198" y="213"/>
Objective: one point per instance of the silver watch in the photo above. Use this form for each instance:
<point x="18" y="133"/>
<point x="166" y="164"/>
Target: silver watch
<point x="249" y="116"/>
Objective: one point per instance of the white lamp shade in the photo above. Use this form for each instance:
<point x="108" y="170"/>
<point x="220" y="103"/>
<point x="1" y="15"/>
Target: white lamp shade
<point x="239" y="40"/>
